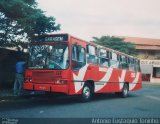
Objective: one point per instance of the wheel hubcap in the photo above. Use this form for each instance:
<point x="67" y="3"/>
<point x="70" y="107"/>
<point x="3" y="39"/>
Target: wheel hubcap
<point x="125" y="91"/>
<point x="86" y="92"/>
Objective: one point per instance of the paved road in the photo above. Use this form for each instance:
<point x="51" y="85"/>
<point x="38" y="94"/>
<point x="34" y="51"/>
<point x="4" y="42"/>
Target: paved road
<point x="143" y="103"/>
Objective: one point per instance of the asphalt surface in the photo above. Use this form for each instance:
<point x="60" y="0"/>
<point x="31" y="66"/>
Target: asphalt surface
<point x="143" y="103"/>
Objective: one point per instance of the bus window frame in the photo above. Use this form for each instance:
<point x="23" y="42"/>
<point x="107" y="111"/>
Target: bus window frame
<point x="75" y="69"/>
<point x="115" y="59"/>
<point x="102" y="57"/>
<point x="88" y="54"/>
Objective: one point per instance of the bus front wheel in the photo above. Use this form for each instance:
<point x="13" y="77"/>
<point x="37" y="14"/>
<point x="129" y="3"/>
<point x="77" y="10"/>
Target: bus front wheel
<point x="86" y="93"/>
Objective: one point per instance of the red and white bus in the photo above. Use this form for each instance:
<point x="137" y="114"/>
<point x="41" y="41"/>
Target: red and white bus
<point x="62" y="63"/>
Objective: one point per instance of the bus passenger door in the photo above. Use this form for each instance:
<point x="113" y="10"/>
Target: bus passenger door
<point x="92" y="61"/>
<point x="79" y="67"/>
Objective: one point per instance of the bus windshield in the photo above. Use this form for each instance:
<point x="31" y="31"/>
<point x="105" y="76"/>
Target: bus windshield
<point x="55" y="56"/>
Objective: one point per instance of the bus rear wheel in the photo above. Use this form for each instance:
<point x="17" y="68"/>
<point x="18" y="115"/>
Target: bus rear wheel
<point x="86" y="93"/>
<point x="124" y="92"/>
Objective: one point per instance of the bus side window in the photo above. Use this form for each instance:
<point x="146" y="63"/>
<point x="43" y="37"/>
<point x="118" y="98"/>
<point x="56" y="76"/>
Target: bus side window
<point x="74" y="52"/>
<point x="124" y="63"/>
<point x="78" y="57"/>
<point x="91" y="56"/>
<point x="137" y="64"/>
<point x="120" y="61"/>
<point x="114" y="61"/>
<point x="103" y="58"/>
<point x="132" y="65"/>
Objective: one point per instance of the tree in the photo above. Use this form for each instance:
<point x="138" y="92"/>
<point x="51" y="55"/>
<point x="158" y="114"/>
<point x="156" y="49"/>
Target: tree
<point x="20" y="20"/>
<point x="116" y="43"/>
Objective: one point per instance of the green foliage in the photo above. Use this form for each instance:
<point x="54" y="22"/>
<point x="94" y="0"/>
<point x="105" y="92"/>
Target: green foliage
<point x="116" y="43"/>
<point x="21" y="19"/>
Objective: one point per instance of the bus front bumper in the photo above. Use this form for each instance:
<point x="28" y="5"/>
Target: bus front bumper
<point x="61" y="88"/>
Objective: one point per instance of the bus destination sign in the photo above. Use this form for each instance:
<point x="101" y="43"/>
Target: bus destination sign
<point x="51" y="38"/>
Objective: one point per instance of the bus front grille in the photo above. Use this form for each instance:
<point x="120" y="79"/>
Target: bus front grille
<point x="43" y="77"/>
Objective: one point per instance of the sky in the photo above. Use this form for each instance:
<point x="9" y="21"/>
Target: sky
<point x="93" y="18"/>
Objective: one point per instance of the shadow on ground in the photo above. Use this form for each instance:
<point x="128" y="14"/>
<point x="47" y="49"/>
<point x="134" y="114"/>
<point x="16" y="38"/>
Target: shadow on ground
<point x="52" y="100"/>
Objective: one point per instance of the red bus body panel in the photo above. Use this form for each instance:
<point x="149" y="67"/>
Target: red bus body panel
<point x="105" y="79"/>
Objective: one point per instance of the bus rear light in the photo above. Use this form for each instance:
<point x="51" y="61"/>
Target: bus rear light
<point x="61" y="82"/>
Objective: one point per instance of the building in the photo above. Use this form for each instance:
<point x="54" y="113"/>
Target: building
<point x="148" y="51"/>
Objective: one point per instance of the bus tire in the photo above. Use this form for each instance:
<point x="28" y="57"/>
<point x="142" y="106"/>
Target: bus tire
<point x="124" y="92"/>
<point x="86" y="93"/>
